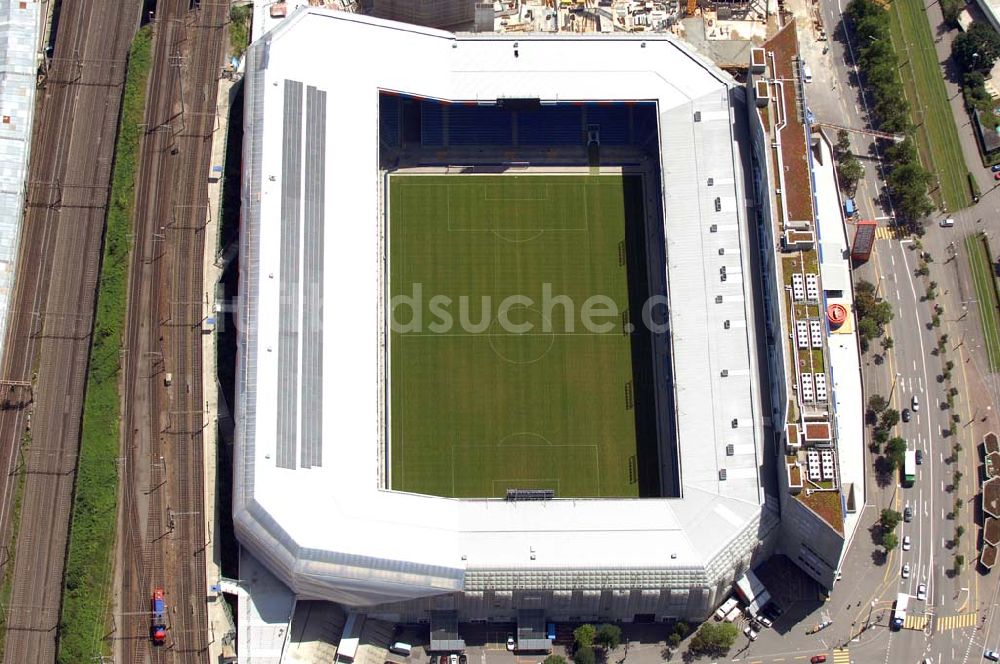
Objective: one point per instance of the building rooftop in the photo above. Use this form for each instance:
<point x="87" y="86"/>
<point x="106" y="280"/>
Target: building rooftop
<point x="991" y="497"/>
<point x="19" y="22"/>
<point x="320" y="446"/>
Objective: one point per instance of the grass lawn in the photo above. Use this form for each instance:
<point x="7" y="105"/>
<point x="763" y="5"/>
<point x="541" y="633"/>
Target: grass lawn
<point x="986" y="293"/>
<point x="937" y="136"/>
<point x="480" y="406"/>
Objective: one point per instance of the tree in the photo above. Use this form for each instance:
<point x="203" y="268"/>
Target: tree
<point x="584" y="635"/>
<point x="887" y="343"/>
<point x="959" y="531"/>
<point x="850" y="171"/>
<point x="889" y="419"/>
<point x="895" y="451"/>
<point x="674" y="639"/>
<point x="608" y="636"/>
<point x="956" y="477"/>
<point x="977" y="48"/>
<point x="889" y="519"/>
<point x="889" y="541"/>
<point x="868" y="329"/>
<point x="554" y="659"/>
<point x="585" y="655"/>
<point x="682" y="628"/>
<point x="877" y="403"/>
<point x="843" y="141"/>
<point x="714" y="638"/>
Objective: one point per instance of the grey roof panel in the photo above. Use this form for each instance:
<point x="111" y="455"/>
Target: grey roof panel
<point x="312" y="287"/>
<point x="289" y="307"/>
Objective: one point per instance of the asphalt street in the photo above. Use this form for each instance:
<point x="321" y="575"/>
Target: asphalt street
<point x="959" y="609"/>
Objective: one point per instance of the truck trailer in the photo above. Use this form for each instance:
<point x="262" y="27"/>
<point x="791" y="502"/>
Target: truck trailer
<point x="899" y="611"/>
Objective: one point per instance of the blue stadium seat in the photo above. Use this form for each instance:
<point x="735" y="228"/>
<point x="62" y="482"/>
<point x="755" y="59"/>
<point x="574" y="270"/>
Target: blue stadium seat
<point x="388" y="120"/>
<point x="431" y="124"/>
<point x="644" y="126"/>
<point x="613" y="120"/>
<point x="479" y="125"/>
<point x="560" y="124"/>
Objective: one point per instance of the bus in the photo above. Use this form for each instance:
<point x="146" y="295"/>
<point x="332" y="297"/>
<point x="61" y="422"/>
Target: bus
<point x="909" y="468"/>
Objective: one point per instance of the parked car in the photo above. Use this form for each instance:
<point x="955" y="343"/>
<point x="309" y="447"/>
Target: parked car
<point x="915" y="403"/>
<point x="996" y="176"/>
<point x="817" y="659"/>
<point x="750" y="634"/>
<point x="907" y="514"/>
<point x="510" y="642"/>
<point x="764" y="620"/>
<point x="453" y="659"/>
<point x="947" y="222"/>
<point x="906" y="571"/>
<point x="922" y="592"/>
<point x="906" y="414"/>
<point x="906" y="543"/>
<point x="995" y="168"/>
<point x="920" y="456"/>
<point x="992" y="654"/>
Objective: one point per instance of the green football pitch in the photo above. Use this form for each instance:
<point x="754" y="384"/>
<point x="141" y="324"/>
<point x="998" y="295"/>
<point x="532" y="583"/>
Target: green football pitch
<point x="479" y="402"/>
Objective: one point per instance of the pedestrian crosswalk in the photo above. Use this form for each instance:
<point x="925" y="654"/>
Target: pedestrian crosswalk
<point x="885" y="233"/>
<point x="841" y="656"/>
<point x="945" y="623"/>
<point x="916" y="621"/>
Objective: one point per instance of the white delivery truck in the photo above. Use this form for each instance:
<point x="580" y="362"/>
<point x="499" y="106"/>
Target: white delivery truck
<point x="899" y="612"/>
<point x="726" y="607"/>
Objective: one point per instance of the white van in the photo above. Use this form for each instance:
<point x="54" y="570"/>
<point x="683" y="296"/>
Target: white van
<point x="948" y="222"/>
<point x="807" y="74"/>
<point x="400" y="648"/>
<point x="734" y="615"/>
<point x="726" y="607"/>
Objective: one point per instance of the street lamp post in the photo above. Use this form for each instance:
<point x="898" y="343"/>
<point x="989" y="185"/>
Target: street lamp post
<point x="893" y="388"/>
<point x="871" y="607"/>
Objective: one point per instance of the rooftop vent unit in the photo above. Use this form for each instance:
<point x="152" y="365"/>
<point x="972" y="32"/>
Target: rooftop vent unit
<point x="722" y="474"/>
<point x="730" y="450"/>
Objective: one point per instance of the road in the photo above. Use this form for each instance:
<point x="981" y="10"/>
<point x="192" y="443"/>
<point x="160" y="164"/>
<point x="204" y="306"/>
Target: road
<point x="956" y="605"/>
<point x="163" y="536"/>
<point x="53" y="306"/>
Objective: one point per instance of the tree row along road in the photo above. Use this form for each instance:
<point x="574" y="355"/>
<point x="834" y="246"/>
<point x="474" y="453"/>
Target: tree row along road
<point x="162" y="532"/>
<point x="53" y="306"/>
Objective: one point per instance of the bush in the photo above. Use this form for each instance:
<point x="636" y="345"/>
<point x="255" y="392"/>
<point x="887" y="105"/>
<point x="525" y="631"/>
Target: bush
<point x="674" y="640"/>
<point x="608" y="636"/>
<point x="584" y="636"/>
<point x="714" y="639"/>
<point x="585" y="655"/>
<point x="554" y="659"/>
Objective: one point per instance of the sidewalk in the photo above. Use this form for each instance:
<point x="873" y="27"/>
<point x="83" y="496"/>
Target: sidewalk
<point x="219" y="619"/>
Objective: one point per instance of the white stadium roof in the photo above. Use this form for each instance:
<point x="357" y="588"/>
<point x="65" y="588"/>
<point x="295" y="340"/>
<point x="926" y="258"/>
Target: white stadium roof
<point x="323" y="523"/>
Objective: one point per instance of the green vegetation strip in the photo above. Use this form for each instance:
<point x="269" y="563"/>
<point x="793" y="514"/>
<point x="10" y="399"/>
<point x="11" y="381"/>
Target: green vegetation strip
<point x="940" y="149"/>
<point x="986" y="293"/>
<point x="88" y="566"/>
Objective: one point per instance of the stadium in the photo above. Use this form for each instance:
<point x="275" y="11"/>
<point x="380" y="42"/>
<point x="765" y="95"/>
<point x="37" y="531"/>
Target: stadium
<point x="496" y="337"/>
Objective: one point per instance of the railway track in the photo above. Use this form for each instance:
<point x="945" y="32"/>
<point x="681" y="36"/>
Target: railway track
<point x="53" y="307"/>
<point x="162" y="519"/>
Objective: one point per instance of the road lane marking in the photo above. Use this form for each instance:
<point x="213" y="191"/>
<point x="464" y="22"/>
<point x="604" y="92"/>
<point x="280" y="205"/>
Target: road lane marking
<point x="960" y="621"/>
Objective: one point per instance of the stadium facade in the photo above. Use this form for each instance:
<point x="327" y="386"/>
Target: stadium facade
<point x="311" y="496"/>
